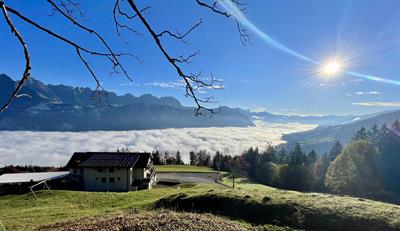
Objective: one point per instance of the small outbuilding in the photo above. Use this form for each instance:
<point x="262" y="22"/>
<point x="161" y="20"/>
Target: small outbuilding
<point x="111" y="171"/>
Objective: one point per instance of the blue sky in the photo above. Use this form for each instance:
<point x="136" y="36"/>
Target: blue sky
<point x="255" y="76"/>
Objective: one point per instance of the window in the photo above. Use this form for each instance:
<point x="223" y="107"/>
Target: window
<point x="103" y="180"/>
<point x="97" y="178"/>
<point x="111" y="170"/>
<point x="99" y="169"/>
<point x="119" y="178"/>
<point x="111" y="180"/>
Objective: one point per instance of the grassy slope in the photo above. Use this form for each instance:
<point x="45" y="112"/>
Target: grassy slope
<point x="19" y="212"/>
<point x="317" y="211"/>
<point x="157" y="220"/>
<point x="182" y="168"/>
<point x="252" y="202"/>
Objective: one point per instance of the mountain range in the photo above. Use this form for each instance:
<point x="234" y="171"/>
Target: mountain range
<point x="65" y="108"/>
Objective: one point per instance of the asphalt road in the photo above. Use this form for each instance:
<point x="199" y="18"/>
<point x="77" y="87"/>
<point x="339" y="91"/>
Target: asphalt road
<point x="203" y="177"/>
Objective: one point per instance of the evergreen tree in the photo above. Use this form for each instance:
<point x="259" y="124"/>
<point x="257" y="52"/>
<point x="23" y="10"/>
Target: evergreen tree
<point x="388" y="143"/>
<point x="336" y="149"/>
<point x="361" y="134"/>
<point x="312" y="157"/>
<point x="193" y="158"/>
<point x="269" y="155"/>
<point x="297" y="175"/>
<point x="156" y="158"/>
<point x="373" y="132"/>
<point x="178" y="158"/>
<point x="396" y="125"/>
<point x="297" y="156"/>
<point x="252" y="157"/>
<point x="217" y="161"/>
<point x="282" y="156"/>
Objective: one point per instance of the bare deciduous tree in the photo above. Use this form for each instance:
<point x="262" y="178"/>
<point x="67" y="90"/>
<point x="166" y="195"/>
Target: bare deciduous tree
<point x="124" y="12"/>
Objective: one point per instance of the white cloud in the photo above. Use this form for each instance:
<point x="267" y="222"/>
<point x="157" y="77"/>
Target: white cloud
<point x="258" y="109"/>
<point x="130" y="84"/>
<point x="55" y="148"/>
<point x="169" y="84"/>
<point x="368" y="93"/>
<point x="378" y="104"/>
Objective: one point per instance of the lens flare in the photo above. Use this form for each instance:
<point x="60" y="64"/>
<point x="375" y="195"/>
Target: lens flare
<point x="331" y="68"/>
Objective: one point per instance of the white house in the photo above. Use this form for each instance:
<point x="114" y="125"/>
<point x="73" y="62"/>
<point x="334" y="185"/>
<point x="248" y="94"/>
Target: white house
<point x="111" y="171"/>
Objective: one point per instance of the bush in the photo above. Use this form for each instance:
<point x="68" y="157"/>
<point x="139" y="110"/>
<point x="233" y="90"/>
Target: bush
<point x="267" y="173"/>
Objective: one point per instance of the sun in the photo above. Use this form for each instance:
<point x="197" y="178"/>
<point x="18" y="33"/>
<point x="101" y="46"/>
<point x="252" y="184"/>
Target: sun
<point x="331" y="68"/>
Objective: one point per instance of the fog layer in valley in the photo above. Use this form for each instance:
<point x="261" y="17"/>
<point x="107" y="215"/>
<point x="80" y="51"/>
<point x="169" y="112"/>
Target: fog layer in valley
<point x="55" y="148"/>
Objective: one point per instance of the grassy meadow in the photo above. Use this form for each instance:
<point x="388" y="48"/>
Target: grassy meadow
<point x="248" y="206"/>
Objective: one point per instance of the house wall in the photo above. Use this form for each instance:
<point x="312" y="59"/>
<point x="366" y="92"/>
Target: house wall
<point x="93" y="179"/>
<point x="138" y="173"/>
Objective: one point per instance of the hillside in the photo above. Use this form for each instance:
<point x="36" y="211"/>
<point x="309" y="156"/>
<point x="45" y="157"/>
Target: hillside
<point x="321" y="138"/>
<point x="254" y="205"/>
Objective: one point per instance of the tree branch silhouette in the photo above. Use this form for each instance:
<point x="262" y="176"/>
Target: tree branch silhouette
<point x="66" y="9"/>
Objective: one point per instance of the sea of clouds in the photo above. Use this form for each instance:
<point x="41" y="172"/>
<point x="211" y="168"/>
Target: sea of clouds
<point x="55" y="148"/>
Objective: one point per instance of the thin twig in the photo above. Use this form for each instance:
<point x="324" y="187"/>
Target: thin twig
<point x="26" y="74"/>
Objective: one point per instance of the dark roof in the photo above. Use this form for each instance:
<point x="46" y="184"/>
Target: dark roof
<point x="109" y="159"/>
<point x="143" y="160"/>
<point x="77" y="158"/>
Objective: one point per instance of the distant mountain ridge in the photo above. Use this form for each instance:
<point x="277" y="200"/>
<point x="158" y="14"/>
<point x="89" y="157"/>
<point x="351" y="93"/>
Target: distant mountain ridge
<point x="323" y="120"/>
<point x="322" y="138"/>
<point x="66" y="108"/>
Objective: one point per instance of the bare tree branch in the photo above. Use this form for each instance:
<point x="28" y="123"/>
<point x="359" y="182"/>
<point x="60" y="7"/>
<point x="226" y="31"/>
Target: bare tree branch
<point x="179" y="36"/>
<point x="213" y="8"/>
<point x="244" y="35"/>
<point x="190" y="79"/>
<point x="113" y="58"/>
<point x="66" y="8"/>
<point x="26" y="74"/>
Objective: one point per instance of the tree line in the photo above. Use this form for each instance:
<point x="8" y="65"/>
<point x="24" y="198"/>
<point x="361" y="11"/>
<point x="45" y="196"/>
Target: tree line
<point x="369" y="166"/>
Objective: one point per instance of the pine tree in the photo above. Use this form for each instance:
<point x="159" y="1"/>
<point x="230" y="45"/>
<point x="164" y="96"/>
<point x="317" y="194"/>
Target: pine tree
<point x="312" y="157"/>
<point x="374" y="132"/>
<point x="361" y="134"/>
<point x="178" y="158"/>
<point x="396" y="125"/>
<point x="297" y="156"/>
<point x="282" y="156"/>
<point x="193" y="158"/>
<point x="269" y="155"/>
<point x="336" y="149"/>
<point x="156" y="158"/>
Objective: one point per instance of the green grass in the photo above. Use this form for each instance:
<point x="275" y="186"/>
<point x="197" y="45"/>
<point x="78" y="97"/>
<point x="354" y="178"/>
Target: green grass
<point x="248" y="202"/>
<point x="19" y="212"/>
<point x="182" y="168"/>
<point x="260" y="204"/>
